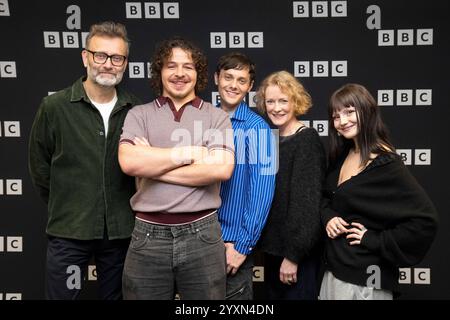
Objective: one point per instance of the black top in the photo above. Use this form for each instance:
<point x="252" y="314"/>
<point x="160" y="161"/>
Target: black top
<point x="293" y="227"/>
<point x="401" y="221"/>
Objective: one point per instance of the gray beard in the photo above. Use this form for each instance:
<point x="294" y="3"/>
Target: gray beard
<point x="108" y="82"/>
<point x="95" y="77"/>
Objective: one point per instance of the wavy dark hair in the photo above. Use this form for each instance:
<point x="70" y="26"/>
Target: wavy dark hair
<point x="164" y="51"/>
<point x="373" y="135"/>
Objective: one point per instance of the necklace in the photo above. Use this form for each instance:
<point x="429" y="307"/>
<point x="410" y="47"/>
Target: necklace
<point x="294" y="130"/>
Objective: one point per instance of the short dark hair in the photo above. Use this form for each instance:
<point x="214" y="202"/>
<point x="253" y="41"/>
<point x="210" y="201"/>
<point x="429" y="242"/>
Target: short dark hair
<point x="164" y="51"/>
<point x="373" y="135"/>
<point x="108" y="29"/>
<point x="236" y="60"/>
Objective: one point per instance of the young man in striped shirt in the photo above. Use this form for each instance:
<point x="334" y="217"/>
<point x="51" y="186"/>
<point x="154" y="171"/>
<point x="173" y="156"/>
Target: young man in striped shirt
<point x="247" y="196"/>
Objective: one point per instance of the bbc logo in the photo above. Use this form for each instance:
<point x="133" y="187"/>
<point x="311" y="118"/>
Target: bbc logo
<point x="139" y="70"/>
<point x="258" y="274"/>
<point x="405" y="37"/>
<point x="11" y="296"/>
<point x="92" y="273"/>
<point x="152" y="10"/>
<point x="11" y="187"/>
<point x="11" y="244"/>
<point x="421" y="276"/>
<point x="422" y="157"/>
<point x="405" y="97"/>
<point x="320" y="68"/>
<point x="237" y="40"/>
<point x="4" y="8"/>
<point x="8" y="69"/>
<point x="10" y="129"/>
<point x="319" y="9"/>
<point x="251" y="101"/>
<point x="70" y="39"/>
<point x="321" y="126"/>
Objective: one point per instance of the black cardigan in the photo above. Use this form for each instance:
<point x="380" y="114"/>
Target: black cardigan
<point x="401" y="221"/>
<point x="293" y="227"/>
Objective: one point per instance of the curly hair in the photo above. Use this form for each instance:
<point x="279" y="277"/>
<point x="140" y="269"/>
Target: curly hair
<point x="164" y="51"/>
<point x="289" y="85"/>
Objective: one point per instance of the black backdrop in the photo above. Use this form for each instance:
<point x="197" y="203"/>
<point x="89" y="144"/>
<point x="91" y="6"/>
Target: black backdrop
<point x="346" y="36"/>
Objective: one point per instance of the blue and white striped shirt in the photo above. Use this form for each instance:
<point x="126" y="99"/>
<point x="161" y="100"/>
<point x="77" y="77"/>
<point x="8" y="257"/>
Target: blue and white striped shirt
<point x="247" y="196"/>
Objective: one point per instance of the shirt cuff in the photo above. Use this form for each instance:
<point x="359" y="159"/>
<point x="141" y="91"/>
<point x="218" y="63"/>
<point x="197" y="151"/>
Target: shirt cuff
<point x="242" y="248"/>
<point x="127" y="141"/>
<point x="327" y="214"/>
<point x="371" y="240"/>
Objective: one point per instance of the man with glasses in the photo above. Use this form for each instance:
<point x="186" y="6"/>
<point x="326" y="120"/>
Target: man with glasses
<point x="73" y="164"/>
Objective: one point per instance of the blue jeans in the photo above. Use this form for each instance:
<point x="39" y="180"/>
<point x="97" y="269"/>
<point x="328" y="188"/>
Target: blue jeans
<point x="186" y="259"/>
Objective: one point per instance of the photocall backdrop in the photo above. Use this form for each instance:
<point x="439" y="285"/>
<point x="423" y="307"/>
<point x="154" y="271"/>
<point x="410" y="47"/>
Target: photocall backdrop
<point x="398" y="49"/>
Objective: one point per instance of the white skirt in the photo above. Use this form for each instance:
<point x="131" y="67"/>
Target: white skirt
<point x="335" y="289"/>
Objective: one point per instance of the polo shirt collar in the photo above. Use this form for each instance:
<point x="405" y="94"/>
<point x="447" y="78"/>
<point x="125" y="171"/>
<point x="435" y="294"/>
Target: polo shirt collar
<point x="196" y="102"/>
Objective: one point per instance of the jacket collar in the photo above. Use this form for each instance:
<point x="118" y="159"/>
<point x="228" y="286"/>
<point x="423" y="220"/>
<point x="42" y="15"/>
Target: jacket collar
<point x="78" y="94"/>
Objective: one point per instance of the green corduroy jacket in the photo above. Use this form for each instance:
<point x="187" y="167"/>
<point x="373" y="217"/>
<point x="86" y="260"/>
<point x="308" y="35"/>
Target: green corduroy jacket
<point x="75" y="168"/>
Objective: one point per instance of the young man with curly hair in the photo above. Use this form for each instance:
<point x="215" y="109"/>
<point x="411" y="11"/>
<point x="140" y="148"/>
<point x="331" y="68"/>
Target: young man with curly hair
<point x="179" y="148"/>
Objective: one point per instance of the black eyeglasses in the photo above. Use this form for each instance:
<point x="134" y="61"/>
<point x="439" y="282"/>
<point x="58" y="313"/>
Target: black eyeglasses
<point x="117" y="60"/>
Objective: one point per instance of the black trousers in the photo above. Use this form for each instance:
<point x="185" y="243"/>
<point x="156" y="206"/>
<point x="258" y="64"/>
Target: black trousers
<point x="307" y="286"/>
<point x="67" y="262"/>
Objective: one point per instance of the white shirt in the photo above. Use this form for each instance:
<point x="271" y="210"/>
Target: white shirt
<point x="105" y="110"/>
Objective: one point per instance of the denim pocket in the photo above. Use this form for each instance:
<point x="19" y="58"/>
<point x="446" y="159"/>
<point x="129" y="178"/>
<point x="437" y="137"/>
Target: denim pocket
<point x="138" y="239"/>
<point x="236" y="295"/>
<point x="211" y="233"/>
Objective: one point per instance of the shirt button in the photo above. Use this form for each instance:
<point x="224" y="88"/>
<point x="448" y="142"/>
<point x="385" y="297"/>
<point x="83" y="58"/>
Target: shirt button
<point x="101" y="133"/>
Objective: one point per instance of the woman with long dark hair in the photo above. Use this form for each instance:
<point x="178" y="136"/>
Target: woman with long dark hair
<point x="376" y="216"/>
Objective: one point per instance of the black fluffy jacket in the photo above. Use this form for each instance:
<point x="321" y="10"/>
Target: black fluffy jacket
<point x="293" y="227"/>
<point x="400" y="218"/>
